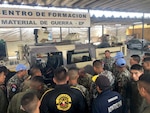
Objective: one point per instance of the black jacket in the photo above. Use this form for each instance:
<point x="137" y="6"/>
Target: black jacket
<point x="63" y="99"/>
<point x="107" y="102"/>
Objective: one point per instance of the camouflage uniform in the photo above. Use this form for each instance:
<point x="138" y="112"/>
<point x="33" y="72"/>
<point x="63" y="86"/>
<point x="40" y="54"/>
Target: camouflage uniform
<point x="26" y="85"/>
<point x="121" y="84"/>
<point x="86" y="81"/>
<point x="122" y="79"/>
<point x="108" y="63"/>
<point x="93" y="91"/>
<point x="85" y="92"/>
<point x="13" y="86"/>
<point x="3" y="99"/>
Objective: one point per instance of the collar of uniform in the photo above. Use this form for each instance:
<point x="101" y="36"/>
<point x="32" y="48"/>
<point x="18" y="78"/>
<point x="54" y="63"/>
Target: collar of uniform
<point x="63" y="85"/>
<point x="105" y="92"/>
<point x="21" y="79"/>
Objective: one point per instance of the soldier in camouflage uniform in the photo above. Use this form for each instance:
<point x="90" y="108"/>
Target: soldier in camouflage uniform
<point x="108" y="61"/>
<point x="98" y="68"/>
<point x="84" y="79"/>
<point x="73" y="78"/>
<point x="34" y="71"/>
<point x="114" y="67"/>
<point x="122" y="79"/>
<point x="37" y="86"/>
<point x="3" y="97"/>
<point x="13" y="85"/>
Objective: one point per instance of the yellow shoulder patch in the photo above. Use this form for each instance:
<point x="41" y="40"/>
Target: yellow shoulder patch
<point x="94" y="78"/>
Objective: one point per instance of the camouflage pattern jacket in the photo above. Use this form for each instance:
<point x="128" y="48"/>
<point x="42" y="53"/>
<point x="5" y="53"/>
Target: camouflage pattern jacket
<point x="108" y="63"/>
<point x="13" y="86"/>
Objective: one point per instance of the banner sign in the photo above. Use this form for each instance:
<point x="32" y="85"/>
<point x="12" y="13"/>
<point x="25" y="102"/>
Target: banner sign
<point x="18" y="17"/>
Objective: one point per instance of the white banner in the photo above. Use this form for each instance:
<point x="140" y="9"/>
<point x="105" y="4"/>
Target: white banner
<point x="18" y="17"/>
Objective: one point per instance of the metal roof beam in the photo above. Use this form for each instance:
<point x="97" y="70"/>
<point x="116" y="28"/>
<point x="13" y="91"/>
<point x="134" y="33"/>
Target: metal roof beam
<point x="64" y="2"/>
<point x="70" y="4"/>
<point x="87" y="3"/>
<point x="96" y="3"/>
<point x="56" y="3"/>
<point x="79" y="3"/>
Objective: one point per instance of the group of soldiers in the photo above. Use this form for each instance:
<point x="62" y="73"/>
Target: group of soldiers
<point x="114" y="88"/>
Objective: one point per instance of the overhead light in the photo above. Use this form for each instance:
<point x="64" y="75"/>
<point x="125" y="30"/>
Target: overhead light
<point x="5" y="2"/>
<point x="117" y="25"/>
<point x="136" y="23"/>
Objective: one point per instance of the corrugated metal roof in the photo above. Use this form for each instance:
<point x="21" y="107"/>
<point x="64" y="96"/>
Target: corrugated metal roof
<point x="112" y="5"/>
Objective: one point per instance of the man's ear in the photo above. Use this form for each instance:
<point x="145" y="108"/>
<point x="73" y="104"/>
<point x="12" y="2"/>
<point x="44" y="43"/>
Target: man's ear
<point x="98" y="89"/>
<point x="142" y="91"/>
<point x="22" y="108"/>
<point x="54" y="80"/>
<point x="39" y="103"/>
<point x="77" y="76"/>
<point x="67" y="78"/>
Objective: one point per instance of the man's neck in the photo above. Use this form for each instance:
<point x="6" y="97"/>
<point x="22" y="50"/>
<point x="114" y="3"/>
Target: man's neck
<point x="108" y="57"/>
<point x="73" y="82"/>
<point x="37" y="111"/>
<point x="148" y="99"/>
<point x="19" y="76"/>
<point x="61" y="83"/>
<point x="102" y="70"/>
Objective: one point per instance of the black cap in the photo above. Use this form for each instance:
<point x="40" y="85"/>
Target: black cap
<point x="102" y="82"/>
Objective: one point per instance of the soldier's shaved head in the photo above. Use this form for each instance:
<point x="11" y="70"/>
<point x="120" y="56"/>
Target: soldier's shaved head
<point x="73" y="73"/>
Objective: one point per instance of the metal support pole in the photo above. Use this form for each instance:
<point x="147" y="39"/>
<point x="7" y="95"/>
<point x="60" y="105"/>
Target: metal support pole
<point x="102" y="30"/>
<point x="20" y="34"/>
<point x="89" y="32"/>
<point x="36" y="35"/>
<point x="133" y="30"/>
<point x="116" y="31"/>
<point x="60" y="34"/>
<point x="142" y="33"/>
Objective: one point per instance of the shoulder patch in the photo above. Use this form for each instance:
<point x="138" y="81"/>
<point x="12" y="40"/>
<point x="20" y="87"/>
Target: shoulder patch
<point x="14" y="87"/>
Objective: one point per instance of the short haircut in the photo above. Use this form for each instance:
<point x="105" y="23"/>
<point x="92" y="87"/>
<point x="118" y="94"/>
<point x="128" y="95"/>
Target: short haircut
<point x="144" y="81"/>
<point x="72" y="73"/>
<point x="60" y="74"/>
<point x="107" y="51"/>
<point x="29" y="102"/>
<point x="5" y="70"/>
<point x="33" y="70"/>
<point x="136" y="58"/>
<point x="102" y="82"/>
<point x="97" y="63"/>
<point x="147" y="59"/>
<point x="147" y="54"/>
<point x="2" y="69"/>
<point x="136" y="67"/>
<point x="37" y="79"/>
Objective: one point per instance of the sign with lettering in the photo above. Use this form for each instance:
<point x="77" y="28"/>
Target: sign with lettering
<point x="18" y="17"/>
